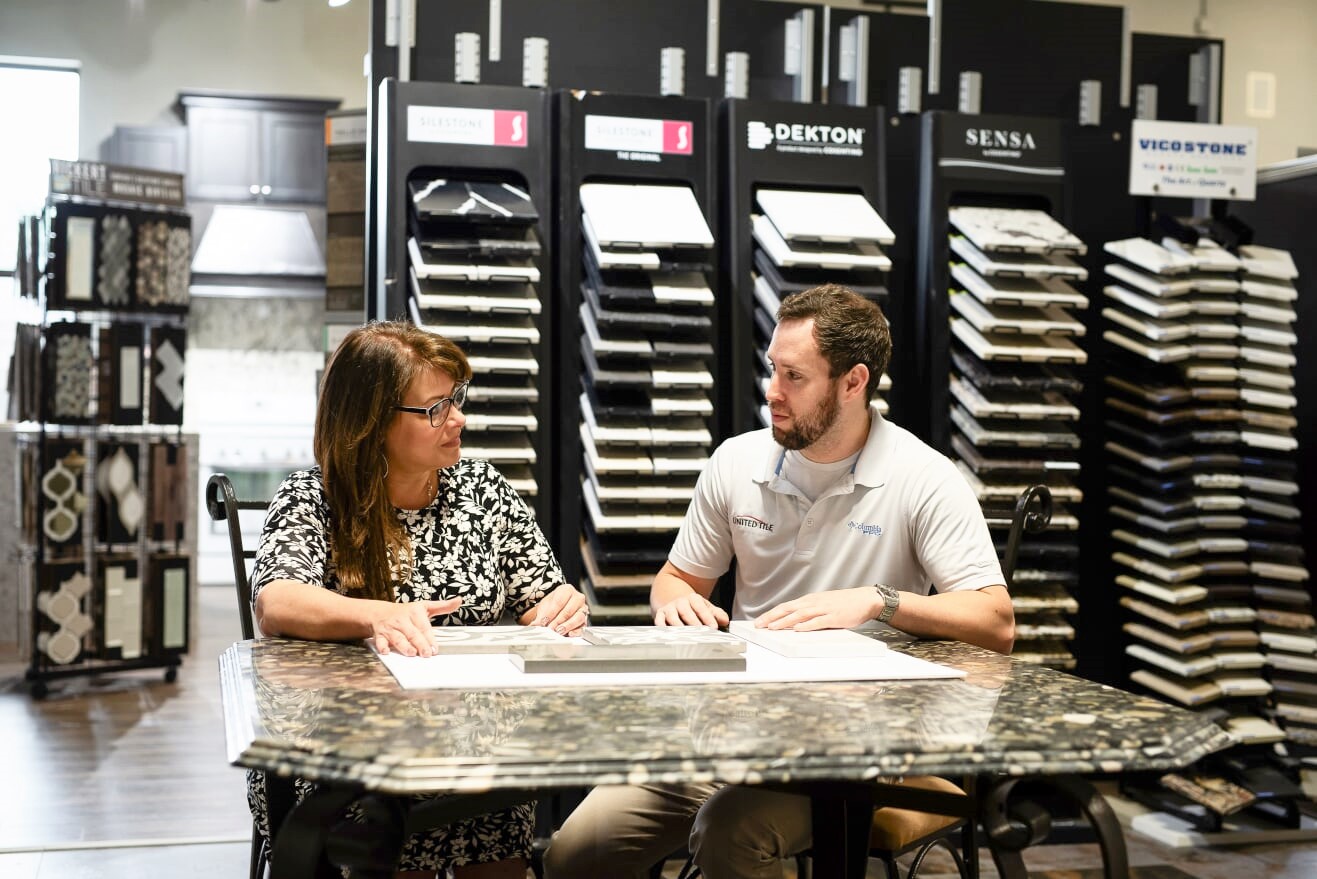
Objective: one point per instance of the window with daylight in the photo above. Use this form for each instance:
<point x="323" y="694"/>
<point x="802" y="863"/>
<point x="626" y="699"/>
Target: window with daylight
<point x="39" y="113"/>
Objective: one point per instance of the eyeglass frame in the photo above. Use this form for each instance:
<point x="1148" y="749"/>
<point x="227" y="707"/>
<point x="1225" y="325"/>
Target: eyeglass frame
<point x="446" y="404"/>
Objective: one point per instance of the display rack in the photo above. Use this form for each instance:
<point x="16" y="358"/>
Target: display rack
<point x="636" y="331"/>
<point x="1205" y="535"/>
<point x="820" y="169"/>
<point x="103" y="469"/>
<point x="1003" y="362"/>
<point x="464" y="203"/>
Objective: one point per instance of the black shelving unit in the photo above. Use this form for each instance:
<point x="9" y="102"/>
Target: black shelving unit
<point x="998" y="399"/>
<point x="489" y="135"/>
<point x="596" y="139"/>
<point x="103" y="474"/>
<point x="825" y="148"/>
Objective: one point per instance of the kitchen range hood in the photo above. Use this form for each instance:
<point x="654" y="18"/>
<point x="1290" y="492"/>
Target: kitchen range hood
<point x="247" y="250"/>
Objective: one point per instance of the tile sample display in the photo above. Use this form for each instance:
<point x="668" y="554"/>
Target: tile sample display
<point x="1015" y="341"/>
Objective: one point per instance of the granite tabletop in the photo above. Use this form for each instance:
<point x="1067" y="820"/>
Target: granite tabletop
<point x="332" y="712"/>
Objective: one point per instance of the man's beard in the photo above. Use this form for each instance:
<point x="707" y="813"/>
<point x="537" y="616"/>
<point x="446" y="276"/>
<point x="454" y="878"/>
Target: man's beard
<point x="810" y="428"/>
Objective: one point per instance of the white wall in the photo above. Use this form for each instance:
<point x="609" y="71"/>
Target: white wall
<point x="138" y="54"/>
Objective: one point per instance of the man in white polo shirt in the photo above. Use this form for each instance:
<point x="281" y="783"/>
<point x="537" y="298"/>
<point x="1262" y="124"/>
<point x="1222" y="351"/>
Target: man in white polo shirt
<point x="835" y="517"/>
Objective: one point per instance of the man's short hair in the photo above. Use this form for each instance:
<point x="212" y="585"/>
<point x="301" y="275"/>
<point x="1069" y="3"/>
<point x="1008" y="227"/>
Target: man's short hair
<point x="848" y="329"/>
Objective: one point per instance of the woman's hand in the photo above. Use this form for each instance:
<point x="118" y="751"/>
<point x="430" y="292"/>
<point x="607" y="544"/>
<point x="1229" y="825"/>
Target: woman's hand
<point x="404" y="627"/>
<point x="562" y="610"/>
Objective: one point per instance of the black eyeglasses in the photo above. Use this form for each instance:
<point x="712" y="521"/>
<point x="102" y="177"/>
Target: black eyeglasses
<point x="438" y="411"/>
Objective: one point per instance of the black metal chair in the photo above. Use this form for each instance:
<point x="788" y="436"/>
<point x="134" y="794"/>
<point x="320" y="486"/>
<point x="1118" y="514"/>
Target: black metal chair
<point x="223" y="506"/>
<point x="368" y="848"/>
<point x="899" y="829"/>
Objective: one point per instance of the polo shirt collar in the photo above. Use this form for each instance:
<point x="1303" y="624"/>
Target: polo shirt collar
<point x="871" y="468"/>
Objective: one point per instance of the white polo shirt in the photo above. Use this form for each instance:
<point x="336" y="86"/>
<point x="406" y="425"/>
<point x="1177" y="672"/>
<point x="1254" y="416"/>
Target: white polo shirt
<point x="903" y="516"/>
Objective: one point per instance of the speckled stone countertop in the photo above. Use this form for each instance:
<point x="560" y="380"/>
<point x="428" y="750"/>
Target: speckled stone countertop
<point x="332" y="712"/>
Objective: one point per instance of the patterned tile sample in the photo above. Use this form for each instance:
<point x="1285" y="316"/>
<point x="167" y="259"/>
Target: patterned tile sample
<point x="152" y="259"/>
<point x="62" y="500"/>
<point x="168" y="512"/>
<point x="178" y="262"/>
<point x="61" y="620"/>
<point x="68" y="373"/>
<point x="168" y="349"/>
<point x="79" y="259"/>
<point x="25" y="381"/>
<point x="120" y="505"/>
<point x="121" y="607"/>
<point x="115" y="260"/>
<point x="167" y="607"/>
<point x="121" y="381"/>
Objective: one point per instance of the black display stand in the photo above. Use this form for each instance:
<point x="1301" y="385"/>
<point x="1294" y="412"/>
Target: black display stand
<point x="839" y="148"/>
<point x="1008" y="162"/>
<point x="104" y="476"/>
<point x="419" y="135"/>
<point x="1203" y="521"/>
<point x="583" y="159"/>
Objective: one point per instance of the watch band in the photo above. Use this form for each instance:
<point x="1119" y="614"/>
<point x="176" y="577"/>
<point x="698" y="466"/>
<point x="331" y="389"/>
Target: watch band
<point x="891" y="601"/>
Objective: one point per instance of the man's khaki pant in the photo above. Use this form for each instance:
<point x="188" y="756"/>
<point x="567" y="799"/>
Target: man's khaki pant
<point x="734" y="832"/>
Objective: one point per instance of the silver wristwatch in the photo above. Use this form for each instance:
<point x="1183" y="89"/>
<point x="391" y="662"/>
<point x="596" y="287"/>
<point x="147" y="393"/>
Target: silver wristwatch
<point x="891" y="601"/>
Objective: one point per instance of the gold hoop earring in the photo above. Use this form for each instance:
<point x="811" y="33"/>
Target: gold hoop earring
<point x="386" y="465"/>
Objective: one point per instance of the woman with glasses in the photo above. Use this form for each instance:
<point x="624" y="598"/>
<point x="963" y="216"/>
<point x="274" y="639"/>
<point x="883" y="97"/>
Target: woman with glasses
<point x="393" y="528"/>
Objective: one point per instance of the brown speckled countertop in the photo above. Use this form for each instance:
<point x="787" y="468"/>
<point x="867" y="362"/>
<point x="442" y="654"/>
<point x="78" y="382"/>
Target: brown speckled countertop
<point x="333" y="712"/>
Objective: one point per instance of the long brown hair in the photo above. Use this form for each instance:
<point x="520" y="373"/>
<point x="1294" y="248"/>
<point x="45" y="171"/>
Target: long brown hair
<point x="368" y="375"/>
<point x="848" y="329"/>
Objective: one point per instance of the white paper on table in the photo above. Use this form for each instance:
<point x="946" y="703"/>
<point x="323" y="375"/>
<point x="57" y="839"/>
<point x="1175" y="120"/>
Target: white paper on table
<point x="823" y="644"/>
<point x="496" y="672"/>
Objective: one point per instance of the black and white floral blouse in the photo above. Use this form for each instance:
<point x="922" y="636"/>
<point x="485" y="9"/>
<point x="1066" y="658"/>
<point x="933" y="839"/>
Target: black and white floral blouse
<point x="477" y="540"/>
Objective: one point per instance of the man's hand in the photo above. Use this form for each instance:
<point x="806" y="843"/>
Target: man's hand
<point x="690" y="610"/>
<point x="835" y="609"/>
<point x="404" y="627"/>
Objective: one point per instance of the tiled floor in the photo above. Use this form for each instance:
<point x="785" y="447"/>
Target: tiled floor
<point x="125" y="776"/>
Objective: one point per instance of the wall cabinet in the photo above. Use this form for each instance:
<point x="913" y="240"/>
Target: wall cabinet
<point x="158" y="147"/>
<point x="245" y="149"/>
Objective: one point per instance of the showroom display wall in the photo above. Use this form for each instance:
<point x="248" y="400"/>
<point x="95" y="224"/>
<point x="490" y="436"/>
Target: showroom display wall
<point x="637" y="329"/>
<point x="468" y="244"/>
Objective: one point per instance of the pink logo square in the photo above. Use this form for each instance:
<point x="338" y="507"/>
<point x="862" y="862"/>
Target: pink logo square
<point x="678" y="137"/>
<point x="510" y="128"/>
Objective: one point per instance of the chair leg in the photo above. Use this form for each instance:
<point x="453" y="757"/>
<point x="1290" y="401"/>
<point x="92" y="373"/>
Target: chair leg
<point x="688" y="869"/>
<point x="803" y="865"/>
<point x="940" y="842"/>
<point x="260" y="855"/>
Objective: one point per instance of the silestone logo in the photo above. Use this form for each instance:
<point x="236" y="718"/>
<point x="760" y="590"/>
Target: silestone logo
<point x="871" y="530"/>
<point x="752" y="522"/>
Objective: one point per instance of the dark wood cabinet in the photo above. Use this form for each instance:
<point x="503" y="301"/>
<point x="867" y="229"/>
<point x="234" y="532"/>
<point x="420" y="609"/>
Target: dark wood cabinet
<point x="157" y="147"/>
<point x="247" y="148"/>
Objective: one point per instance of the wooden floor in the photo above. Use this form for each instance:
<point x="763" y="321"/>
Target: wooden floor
<point x="126" y="776"/>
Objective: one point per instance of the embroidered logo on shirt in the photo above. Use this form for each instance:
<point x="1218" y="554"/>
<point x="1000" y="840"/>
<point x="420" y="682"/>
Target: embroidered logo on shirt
<point x="874" y="530"/>
<point x="752" y="522"/>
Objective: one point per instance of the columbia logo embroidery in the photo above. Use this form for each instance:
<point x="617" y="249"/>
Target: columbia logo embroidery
<point x="752" y="522"/>
<point x="875" y="530"/>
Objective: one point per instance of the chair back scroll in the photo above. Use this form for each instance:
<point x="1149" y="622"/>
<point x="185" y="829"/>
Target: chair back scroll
<point x="223" y="505"/>
<point x="1033" y="513"/>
